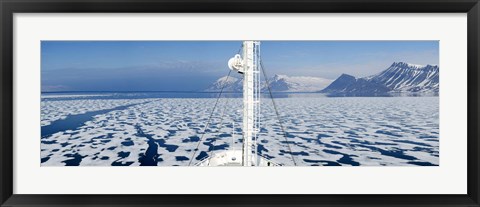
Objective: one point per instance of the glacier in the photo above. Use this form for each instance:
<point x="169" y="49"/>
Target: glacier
<point x="278" y="83"/>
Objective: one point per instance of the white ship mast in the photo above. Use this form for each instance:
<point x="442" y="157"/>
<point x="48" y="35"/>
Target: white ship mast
<point x="248" y="64"/>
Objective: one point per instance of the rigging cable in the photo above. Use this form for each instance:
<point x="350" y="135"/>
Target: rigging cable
<point x="221" y="126"/>
<point x="209" y="119"/>
<point x="211" y="115"/>
<point x="276" y="111"/>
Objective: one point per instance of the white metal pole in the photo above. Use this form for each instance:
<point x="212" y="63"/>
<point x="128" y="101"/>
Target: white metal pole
<point x="233" y="135"/>
<point x="251" y="99"/>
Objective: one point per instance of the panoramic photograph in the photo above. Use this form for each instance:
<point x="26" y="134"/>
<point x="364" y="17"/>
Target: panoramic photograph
<point x="239" y="103"/>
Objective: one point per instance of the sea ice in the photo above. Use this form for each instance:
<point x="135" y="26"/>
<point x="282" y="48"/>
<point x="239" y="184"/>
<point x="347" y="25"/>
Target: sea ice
<point x="381" y="131"/>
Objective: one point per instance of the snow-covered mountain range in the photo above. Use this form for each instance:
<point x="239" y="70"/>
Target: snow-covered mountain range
<point x="400" y="77"/>
<point x="278" y="83"/>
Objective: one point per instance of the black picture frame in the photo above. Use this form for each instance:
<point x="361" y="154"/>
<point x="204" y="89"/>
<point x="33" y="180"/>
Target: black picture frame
<point x="10" y="7"/>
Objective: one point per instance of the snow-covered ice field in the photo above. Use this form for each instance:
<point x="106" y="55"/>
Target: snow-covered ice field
<point x="123" y="131"/>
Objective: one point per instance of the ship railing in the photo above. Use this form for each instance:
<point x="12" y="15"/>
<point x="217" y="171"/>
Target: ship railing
<point x="269" y="160"/>
<point x="202" y="160"/>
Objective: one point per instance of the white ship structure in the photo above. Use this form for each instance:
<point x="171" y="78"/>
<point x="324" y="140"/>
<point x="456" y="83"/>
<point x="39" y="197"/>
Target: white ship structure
<point x="248" y="64"/>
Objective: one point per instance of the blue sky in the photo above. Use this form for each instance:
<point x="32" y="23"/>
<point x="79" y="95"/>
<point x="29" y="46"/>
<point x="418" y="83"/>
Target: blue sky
<point x="193" y="65"/>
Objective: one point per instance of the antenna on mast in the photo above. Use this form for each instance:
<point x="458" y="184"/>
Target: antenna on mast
<point x="236" y="64"/>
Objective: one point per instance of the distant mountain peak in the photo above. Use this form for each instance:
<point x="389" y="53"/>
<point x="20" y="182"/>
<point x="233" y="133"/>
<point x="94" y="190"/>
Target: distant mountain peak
<point x="226" y="79"/>
<point x="345" y="76"/>
<point x="348" y="85"/>
<point x="410" y="65"/>
<point x="279" y="76"/>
